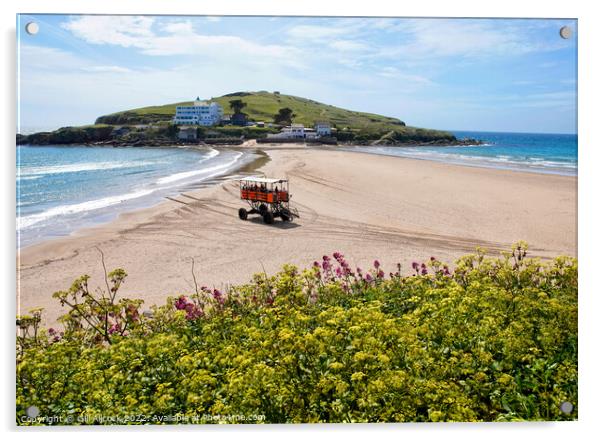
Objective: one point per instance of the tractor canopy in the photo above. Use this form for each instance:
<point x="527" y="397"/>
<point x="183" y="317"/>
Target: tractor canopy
<point x="264" y="180"/>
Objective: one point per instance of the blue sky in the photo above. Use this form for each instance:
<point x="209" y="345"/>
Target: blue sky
<point x="462" y="74"/>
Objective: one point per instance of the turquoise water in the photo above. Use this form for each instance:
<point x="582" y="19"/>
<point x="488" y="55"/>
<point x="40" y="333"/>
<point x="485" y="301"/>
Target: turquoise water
<point x="61" y="189"/>
<point x="539" y="153"/>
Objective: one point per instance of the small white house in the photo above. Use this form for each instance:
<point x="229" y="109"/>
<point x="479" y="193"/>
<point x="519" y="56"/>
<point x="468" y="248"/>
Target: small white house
<point x="199" y="113"/>
<point x="322" y="129"/>
<point x="310" y="133"/>
<point x="297" y="131"/>
<point x="294" y="131"/>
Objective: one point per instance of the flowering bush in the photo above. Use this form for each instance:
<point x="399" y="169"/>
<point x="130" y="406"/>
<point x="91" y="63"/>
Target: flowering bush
<point x="492" y="340"/>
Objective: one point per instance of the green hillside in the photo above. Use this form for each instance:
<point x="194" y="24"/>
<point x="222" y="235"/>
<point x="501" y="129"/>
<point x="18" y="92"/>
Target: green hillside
<point x="352" y="126"/>
<point x="262" y="106"/>
<point x="152" y="125"/>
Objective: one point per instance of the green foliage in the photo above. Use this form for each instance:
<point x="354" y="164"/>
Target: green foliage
<point x="171" y="131"/>
<point x="494" y="340"/>
<point x="236" y="105"/>
<point x="70" y="135"/>
<point x="284" y="116"/>
<point x="98" y="314"/>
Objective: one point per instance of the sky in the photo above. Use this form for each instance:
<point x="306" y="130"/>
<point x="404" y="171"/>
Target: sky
<point x="509" y="75"/>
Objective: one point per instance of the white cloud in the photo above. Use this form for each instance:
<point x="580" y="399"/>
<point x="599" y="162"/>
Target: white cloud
<point x="437" y="38"/>
<point x="315" y="32"/>
<point x="179" y="28"/>
<point x="389" y="72"/>
<point x="43" y="59"/>
<point x="40" y="58"/>
<point x="126" y="31"/>
<point x="348" y="45"/>
<point x="393" y="72"/>
<point x="111" y="69"/>
<point x="177" y="38"/>
<point x="48" y="75"/>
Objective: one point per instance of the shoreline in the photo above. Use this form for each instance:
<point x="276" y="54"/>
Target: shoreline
<point x="23" y="140"/>
<point x="366" y="205"/>
<point x="255" y="164"/>
<point x="517" y="169"/>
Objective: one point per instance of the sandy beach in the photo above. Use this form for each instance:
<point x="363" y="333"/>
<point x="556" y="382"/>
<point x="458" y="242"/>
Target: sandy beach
<point x="365" y="206"/>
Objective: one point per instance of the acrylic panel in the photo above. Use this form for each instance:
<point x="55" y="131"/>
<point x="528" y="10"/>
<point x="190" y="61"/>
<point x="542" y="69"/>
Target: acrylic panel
<point x="271" y="219"/>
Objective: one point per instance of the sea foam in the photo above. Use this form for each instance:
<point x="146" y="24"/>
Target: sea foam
<point x="208" y="171"/>
<point x="79" y="167"/>
<point x="25" y="222"/>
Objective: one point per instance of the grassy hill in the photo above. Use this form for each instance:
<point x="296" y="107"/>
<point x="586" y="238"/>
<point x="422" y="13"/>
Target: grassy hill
<point x="262" y="106"/>
<point x="351" y="126"/>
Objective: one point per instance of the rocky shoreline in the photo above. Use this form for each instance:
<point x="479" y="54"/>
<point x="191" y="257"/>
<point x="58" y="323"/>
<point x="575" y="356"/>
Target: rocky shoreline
<point x="159" y="142"/>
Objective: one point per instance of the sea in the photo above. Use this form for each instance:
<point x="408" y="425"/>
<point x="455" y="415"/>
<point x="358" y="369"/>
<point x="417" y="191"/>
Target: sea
<point x="532" y="152"/>
<point x="61" y="189"/>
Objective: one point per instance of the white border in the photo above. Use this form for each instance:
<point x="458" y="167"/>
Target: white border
<point x="590" y="144"/>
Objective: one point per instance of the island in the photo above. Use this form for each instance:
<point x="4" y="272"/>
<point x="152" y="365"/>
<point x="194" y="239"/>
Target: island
<point x="263" y="116"/>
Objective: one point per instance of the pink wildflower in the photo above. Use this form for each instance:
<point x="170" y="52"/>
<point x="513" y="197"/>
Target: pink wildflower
<point x="114" y="328"/>
<point x="181" y="302"/>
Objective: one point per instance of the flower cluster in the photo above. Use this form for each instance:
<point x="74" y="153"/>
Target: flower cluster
<point x="336" y="269"/>
<point x="439" y="269"/>
<point x="56" y="336"/>
<point x="192" y="310"/>
<point x="115" y="328"/>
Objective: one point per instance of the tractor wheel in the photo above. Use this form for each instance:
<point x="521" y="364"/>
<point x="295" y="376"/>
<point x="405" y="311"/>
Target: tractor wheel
<point x="242" y="213"/>
<point x="268" y="218"/>
<point x="262" y="209"/>
<point x="285" y="215"/>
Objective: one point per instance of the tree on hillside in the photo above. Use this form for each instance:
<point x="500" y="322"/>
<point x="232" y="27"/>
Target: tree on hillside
<point x="237" y="105"/>
<point x="172" y="130"/>
<point x="284" y="116"/>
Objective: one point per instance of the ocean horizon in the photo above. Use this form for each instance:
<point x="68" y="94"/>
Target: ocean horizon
<point x="545" y="153"/>
<point x="63" y="189"/>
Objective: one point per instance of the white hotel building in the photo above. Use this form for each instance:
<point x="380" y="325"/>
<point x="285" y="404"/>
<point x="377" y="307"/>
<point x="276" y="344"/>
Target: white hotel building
<point x="199" y="113"/>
